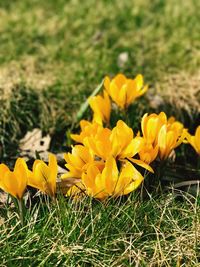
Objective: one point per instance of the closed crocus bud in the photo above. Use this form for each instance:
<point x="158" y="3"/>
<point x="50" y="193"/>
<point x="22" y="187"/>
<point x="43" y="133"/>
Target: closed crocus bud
<point x="101" y="107"/>
<point x="151" y="125"/>
<point x="44" y="176"/>
<point x="124" y="91"/>
<point x="14" y="182"/>
<point x="169" y="139"/>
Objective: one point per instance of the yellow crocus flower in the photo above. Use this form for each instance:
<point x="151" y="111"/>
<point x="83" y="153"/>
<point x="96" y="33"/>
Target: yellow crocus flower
<point x="194" y="140"/>
<point x="44" y="176"/>
<point x="151" y="125"/>
<point x="77" y="161"/>
<point x="78" y="189"/>
<point x="123" y="142"/>
<point x="124" y="91"/>
<point x="99" y="144"/>
<point x="169" y="139"/>
<point x="118" y="142"/>
<point x="110" y="181"/>
<point x="101" y="107"/>
<point x="87" y="129"/>
<point x="161" y="136"/>
<point x="14" y="182"/>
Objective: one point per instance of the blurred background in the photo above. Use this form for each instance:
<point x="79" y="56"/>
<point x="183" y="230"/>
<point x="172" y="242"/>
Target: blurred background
<point x="54" y="53"/>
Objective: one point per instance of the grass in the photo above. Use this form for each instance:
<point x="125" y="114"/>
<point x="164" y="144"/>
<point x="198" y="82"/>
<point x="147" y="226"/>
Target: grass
<point x="53" y="55"/>
<point x="161" y="231"/>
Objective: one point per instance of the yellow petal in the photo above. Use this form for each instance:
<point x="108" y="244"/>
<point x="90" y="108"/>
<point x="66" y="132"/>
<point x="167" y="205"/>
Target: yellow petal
<point x="110" y="175"/>
<point x="162" y="141"/>
<point x="141" y="164"/>
<point x="53" y="169"/>
<point x="107" y="83"/>
<point x="119" y="79"/>
<point x="137" y="180"/>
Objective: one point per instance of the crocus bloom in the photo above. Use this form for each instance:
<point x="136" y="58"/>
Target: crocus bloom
<point x="99" y="144"/>
<point x="161" y="136"/>
<point x="148" y="153"/>
<point x="124" y="91"/>
<point x="194" y="140"/>
<point x="44" y="176"/>
<point x="87" y="129"/>
<point x="14" y="182"/>
<point x="78" y="188"/>
<point x="151" y="125"/>
<point x="77" y="161"/>
<point x="168" y="139"/>
<point x="118" y="143"/>
<point x="123" y="142"/>
<point x="101" y="107"/>
<point x="110" y="181"/>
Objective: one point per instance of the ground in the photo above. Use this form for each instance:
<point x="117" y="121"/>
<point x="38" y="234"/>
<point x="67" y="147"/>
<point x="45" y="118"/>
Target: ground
<point x="52" y="56"/>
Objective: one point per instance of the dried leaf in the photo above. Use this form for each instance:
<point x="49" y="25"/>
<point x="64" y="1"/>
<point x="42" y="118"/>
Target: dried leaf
<point x="64" y="185"/>
<point x="33" y="141"/>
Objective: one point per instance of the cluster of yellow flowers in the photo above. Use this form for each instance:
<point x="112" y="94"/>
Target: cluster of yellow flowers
<point x="104" y="162"/>
<point x="103" y="159"/>
<point x="102" y="151"/>
<point x="121" y="90"/>
<point x="42" y="177"/>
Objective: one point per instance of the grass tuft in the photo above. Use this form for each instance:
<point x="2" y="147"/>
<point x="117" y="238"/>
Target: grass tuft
<point x="125" y="232"/>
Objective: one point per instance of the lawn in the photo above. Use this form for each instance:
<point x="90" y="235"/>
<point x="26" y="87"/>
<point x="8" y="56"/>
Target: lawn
<point x="53" y="54"/>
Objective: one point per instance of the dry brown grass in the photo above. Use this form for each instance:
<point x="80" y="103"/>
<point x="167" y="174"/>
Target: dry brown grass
<point x="24" y="72"/>
<point x="181" y="91"/>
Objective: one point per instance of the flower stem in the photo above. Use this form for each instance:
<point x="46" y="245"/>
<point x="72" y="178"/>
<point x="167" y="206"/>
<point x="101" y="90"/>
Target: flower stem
<point x="198" y="164"/>
<point x="21" y="213"/>
<point x="125" y="115"/>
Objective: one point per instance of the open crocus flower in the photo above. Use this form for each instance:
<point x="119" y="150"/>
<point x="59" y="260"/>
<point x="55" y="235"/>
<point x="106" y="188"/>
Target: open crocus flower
<point x="194" y="140"/>
<point x="109" y="181"/>
<point x="118" y="143"/>
<point x="87" y="129"/>
<point x="124" y="91"/>
<point x="77" y="161"/>
<point x="99" y="144"/>
<point x="44" y="176"/>
<point x="123" y="143"/>
<point x="101" y="107"/>
<point x="14" y="182"/>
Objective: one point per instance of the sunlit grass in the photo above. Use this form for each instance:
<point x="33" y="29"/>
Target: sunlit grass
<point x="159" y="231"/>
